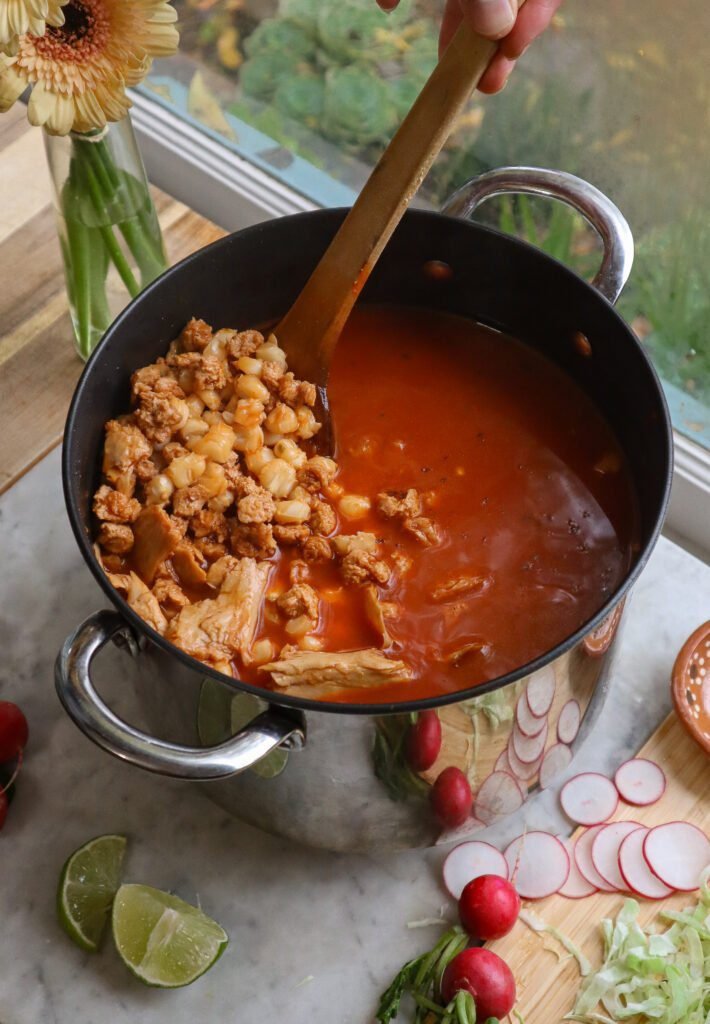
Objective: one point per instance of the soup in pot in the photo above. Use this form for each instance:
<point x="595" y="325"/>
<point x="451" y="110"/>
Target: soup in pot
<point x="476" y="512"/>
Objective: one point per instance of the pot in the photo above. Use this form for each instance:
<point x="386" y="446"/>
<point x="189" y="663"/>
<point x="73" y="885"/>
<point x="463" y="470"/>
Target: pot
<point x="334" y="775"/>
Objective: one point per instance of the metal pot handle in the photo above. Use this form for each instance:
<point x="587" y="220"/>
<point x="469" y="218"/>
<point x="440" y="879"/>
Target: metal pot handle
<point x="76" y="691"/>
<point x="595" y="207"/>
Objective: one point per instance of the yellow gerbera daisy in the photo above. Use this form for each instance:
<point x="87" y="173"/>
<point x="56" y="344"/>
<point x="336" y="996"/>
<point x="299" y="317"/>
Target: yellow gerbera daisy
<point x="79" y="70"/>
<point x="17" y="17"/>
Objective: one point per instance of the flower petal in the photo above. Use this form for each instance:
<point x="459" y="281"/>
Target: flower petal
<point x="12" y="85"/>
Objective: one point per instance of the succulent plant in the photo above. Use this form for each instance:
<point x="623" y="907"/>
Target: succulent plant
<point x="261" y="74"/>
<point x="301" y="97"/>
<point x="282" y="38"/>
<point x="357" y="109"/>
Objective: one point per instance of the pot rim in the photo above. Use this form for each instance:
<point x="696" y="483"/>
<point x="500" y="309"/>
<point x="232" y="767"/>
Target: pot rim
<point x="303" y="704"/>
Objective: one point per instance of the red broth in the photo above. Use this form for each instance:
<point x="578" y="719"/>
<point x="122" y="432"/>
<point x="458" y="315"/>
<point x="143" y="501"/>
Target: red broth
<point x="520" y="472"/>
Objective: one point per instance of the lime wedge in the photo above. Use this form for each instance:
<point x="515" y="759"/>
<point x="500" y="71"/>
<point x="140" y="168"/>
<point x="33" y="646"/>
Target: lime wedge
<point x="87" y="886"/>
<point x="245" y="707"/>
<point x="163" y="940"/>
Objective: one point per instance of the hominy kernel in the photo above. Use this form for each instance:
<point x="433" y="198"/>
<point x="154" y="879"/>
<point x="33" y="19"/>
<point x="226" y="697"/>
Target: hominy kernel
<point x="248" y="439"/>
<point x="250" y="366"/>
<point x="159" y="489"/>
<point x="249" y="412"/>
<point x="249" y="386"/>
<point x="282" y="420"/>
<point x="195" y="405"/>
<point x="310" y="643"/>
<point x="308" y="425"/>
<point x="217" y="444"/>
<point x="271" y="438"/>
<point x="289" y="451"/>
<point x="211" y="398"/>
<point x="278" y="477"/>
<point x="262" y="651"/>
<point x="193" y="429"/>
<point x="271" y="353"/>
<point x="257" y="460"/>
<point x="221" y="502"/>
<point x="186" y="470"/>
<point x="354" y="506"/>
<point x="212" y="417"/>
<point x="299" y="493"/>
<point x="299" y="626"/>
<point x="213" y="480"/>
<point x="292" y="512"/>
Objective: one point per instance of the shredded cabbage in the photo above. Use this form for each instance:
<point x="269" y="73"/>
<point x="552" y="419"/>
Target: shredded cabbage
<point x="536" y="924"/>
<point x="662" y="978"/>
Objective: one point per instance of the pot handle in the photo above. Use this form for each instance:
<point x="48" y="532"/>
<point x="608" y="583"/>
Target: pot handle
<point x="595" y="207"/>
<point x="76" y="691"/>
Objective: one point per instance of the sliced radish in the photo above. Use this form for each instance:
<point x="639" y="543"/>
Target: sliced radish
<point x="526" y="772"/>
<point x="589" y="798"/>
<point x="605" y="851"/>
<point x="526" y="721"/>
<point x="540" y="691"/>
<point x="635" y="871"/>
<point x="538" y="865"/>
<point x="583" y="857"/>
<point x="468" y="861"/>
<point x="500" y="794"/>
<point x="677" y="853"/>
<point x="555" y="761"/>
<point x="568" y="722"/>
<point x="640" y="782"/>
<point x="529" y="748"/>
<point x="502" y="763"/>
<point x="576" y="887"/>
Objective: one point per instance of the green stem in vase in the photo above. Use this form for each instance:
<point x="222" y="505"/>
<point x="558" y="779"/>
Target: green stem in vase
<point x="79" y="286"/>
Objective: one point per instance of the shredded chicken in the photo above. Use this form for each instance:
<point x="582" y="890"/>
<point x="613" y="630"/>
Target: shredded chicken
<point x="125" y="448"/>
<point x="169" y="596"/>
<point x="187" y="563"/>
<point x="145" y="604"/>
<point x="257" y="507"/>
<point x="426" y="531"/>
<point x="317" y="549"/>
<point x="459" y="585"/>
<point x="378" y="612"/>
<point x="115" y="538"/>
<point x="292" y="534"/>
<point x="155" y="540"/>
<point x="322" y="673"/>
<point x="114" y="507"/>
<point x="218" y="629"/>
<point x="253" y="541"/>
<point x="196" y="335"/>
<point x="322" y="519"/>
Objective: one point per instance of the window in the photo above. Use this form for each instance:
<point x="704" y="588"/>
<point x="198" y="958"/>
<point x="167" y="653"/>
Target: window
<point x="298" y="98"/>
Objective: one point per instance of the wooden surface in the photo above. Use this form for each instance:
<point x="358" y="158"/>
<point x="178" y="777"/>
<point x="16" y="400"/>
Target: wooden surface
<point x="547" y="989"/>
<point x="38" y="363"/>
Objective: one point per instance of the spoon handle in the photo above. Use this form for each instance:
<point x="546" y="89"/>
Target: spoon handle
<point x="310" y="329"/>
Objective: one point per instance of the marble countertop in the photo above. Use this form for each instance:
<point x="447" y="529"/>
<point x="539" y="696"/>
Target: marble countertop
<point x="315" y="937"/>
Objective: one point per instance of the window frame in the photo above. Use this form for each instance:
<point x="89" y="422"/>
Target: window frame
<point x="213" y="180"/>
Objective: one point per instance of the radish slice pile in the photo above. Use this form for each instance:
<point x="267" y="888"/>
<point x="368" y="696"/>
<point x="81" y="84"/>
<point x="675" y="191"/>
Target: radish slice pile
<point x="557" y="758"/>
<point x="677" y="854"/>
<point x="469" y="861"/>
<point x="568" y="722"/>
<point x="640" y="782"/>
<point x="589" y="799"/>
<point x="605" y="851"/>
<point x="636" y="873"/>
<point x="540" y="692"/>
<point x="538" y="865"/>
<point x="583" y="857"/>
<point x="526" y="721"/>
<point x="499" y="795"/>
<point x="529" y="749"/>
<point x="520" y="770"/>
<point x="576" y="887"/>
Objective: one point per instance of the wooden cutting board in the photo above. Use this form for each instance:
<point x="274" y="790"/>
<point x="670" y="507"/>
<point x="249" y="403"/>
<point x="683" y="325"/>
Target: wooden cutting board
<point x="547" y="988"/>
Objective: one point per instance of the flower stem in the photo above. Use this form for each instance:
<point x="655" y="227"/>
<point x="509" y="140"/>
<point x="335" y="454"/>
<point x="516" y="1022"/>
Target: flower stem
<point x="112" y="246"/>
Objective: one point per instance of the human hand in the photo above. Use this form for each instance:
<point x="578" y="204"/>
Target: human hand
<point x="495" y="19"/>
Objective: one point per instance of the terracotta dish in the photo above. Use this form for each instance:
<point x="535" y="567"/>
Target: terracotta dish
<point x="691" y="685"/>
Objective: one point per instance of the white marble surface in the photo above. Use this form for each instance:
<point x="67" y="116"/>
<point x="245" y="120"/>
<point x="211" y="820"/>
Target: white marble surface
<point x="314" y="936"/>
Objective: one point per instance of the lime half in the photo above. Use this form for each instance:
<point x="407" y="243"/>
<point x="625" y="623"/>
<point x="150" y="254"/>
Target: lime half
<point x="163" y="940"/>
<point x="87" y="885"/>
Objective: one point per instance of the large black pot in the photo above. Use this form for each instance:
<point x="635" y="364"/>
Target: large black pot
<point x="336" y="788"/>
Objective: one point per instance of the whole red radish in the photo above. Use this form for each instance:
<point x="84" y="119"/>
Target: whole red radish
<point x="451" y="797"/>
<point x="13" y="730"/>
<point x="488" y="978"/>
<point x="424" y="741"/>
<point x="489" y="907"/>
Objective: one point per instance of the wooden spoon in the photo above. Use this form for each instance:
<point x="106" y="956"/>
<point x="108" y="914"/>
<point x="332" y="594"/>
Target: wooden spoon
<point x="310" y="330"/>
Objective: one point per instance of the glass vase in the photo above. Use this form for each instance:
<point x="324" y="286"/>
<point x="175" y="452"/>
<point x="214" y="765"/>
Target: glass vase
<point x="111" y="242"/>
